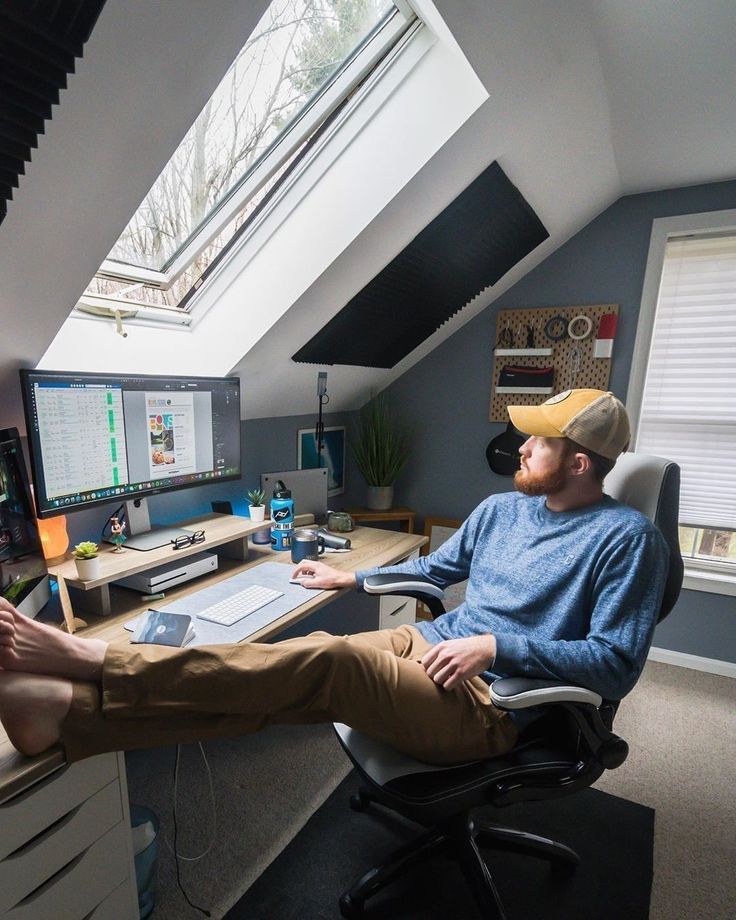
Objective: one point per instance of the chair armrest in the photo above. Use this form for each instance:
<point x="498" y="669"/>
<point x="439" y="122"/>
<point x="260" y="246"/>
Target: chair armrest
<point x="522" y="692"/>
<point x="422" y="589"/>
<point x="591" y="713"/>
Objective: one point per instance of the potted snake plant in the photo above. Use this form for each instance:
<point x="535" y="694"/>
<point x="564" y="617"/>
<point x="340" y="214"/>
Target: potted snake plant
<point x="380" y="449"/>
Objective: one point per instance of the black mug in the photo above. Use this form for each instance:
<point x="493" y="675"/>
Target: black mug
<point x="306" y="544"/>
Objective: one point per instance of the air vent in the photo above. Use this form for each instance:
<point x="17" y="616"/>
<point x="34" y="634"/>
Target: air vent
<point x="39" y="42"/>
<point x="482" y="234"/>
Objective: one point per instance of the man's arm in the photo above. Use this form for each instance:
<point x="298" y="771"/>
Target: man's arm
<point x="449" y="563"/>
<point x="627" y="595"/>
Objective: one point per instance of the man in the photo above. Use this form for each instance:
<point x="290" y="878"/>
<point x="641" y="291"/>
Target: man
<point x="564" y="583"/>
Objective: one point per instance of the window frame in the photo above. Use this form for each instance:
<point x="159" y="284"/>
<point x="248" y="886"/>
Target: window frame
<point x="700" y="575"/>
<point x="375" y="47"/>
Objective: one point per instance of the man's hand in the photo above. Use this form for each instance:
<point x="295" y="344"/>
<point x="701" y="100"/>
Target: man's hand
<point x="319" y="575"/>
<point x="451" y="662"/>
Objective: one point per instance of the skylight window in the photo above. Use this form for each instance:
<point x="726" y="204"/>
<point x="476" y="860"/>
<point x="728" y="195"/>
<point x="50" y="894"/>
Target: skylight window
<point x="300" y="65"/>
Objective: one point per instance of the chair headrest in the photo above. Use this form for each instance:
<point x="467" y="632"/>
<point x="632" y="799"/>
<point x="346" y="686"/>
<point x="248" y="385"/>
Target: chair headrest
<point x="652" y="486"/>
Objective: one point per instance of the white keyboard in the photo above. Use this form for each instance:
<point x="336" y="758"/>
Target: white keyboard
<point x="240" y="605"/>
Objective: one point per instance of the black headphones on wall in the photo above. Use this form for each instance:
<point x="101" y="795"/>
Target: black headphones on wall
<point x="502" y="452"/>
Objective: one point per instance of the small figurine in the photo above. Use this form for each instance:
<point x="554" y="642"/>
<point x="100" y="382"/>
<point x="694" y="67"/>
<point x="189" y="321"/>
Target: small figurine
<point x="116" y="532"/>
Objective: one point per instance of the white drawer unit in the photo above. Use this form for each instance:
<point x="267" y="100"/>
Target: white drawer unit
<point x="394" y="610"/>
<point x="65" y="846"/>
<point x="38" y="807"/>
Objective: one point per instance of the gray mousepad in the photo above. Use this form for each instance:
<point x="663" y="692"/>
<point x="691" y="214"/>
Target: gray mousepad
<point x="268" y="574"/>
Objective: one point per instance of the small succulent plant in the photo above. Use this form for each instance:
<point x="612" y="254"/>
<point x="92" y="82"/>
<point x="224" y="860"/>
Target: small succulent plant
<point x="256" y="496"/>
<point x="85" y="550"/>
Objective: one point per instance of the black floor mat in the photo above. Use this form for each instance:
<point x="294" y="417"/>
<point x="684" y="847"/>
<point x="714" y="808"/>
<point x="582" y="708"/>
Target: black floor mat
<point x="613" y="837"/>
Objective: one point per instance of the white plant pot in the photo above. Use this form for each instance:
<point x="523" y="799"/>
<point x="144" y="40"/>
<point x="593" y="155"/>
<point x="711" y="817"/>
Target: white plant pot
<point x="379" y="498"/>
<point x="88" y="569"/>
<point x="257" y="512"/>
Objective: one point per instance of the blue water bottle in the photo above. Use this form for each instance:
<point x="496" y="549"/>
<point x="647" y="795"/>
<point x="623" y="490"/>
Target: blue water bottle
<point x="282" y="517"/>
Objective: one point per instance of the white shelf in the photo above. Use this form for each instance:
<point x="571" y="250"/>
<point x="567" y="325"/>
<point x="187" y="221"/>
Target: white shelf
<point x="525" y="389"/>
<point x="509" y="352"/>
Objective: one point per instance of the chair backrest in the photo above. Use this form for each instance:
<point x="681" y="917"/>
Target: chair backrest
<point x="652" y="486"/>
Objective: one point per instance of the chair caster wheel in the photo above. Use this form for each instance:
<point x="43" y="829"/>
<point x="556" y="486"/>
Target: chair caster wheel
<point x="359" y="801"/>
<point x="349" y="908"/>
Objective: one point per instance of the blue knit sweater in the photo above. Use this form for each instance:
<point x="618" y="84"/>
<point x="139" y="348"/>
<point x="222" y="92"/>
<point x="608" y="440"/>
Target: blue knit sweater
<point x="569" y="595"/>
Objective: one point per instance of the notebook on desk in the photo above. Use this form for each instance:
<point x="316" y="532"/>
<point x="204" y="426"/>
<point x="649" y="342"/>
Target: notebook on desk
<point x="268" y="574"/>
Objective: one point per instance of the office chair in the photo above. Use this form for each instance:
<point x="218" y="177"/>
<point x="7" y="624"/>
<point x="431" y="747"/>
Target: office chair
<point x="566" y="749"/>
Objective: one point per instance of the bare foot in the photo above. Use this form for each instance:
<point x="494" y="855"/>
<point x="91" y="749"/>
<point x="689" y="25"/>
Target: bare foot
<point x="32" y="708"/>
<point x="34" y="648"/>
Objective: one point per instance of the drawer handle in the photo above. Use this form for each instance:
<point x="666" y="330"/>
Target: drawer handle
<point x="399" y="609"/>
<point x="46" y="832"/>
<point x="56" y="877"/>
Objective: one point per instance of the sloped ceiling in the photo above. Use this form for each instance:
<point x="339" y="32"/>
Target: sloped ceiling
<point x="588" y="99"/>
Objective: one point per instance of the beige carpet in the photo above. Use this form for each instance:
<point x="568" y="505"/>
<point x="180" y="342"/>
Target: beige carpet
<point x="681" y="729"/>
<point x="266" y="787"/>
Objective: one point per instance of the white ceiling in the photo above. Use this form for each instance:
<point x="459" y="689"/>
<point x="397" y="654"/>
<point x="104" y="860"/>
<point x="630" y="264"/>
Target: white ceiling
<point x="588" y="100"/>
<point x="670" y="73"/>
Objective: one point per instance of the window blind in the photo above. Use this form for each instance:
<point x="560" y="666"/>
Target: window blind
<point x="688" y="411"/>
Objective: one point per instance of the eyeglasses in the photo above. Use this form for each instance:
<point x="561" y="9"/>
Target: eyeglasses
<point x="188" y="539"/>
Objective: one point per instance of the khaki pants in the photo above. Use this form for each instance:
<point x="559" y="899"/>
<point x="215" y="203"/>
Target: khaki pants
<point x="151" y="695"/>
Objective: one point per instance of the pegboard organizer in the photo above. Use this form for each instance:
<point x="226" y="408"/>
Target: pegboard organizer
<point x="560" y="353"/>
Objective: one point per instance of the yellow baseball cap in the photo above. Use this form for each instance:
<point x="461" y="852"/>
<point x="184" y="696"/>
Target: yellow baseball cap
<point x="594" y="418"/>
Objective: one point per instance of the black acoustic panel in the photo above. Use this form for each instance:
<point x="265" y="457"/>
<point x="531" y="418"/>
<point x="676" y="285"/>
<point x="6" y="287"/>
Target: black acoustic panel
<point x="482" y="234"/>
<point x="39" y="41"/>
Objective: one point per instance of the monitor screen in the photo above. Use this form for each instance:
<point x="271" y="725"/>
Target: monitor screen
<point x="96" y="438"/>
<point x="23" y="578"/>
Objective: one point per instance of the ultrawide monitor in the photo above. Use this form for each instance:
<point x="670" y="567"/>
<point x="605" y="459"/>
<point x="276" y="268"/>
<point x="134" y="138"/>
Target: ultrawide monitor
<point x="97" y="438"/>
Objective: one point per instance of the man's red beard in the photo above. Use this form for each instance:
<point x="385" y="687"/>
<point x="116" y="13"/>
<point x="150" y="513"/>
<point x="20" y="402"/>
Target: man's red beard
<point x="548" y="483"/>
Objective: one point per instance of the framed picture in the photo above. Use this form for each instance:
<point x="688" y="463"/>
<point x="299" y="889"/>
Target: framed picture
<point x="333" y="455"/>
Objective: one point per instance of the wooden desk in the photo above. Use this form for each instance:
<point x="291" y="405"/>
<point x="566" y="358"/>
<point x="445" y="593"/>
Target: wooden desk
<point x="405" y="516"/>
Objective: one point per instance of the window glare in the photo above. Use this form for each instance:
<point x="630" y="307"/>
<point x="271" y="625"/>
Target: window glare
<point x="295" y="49"/>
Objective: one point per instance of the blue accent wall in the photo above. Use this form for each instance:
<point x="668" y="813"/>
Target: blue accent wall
<point x="446" y="396"/>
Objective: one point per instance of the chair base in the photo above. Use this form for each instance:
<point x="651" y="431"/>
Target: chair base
<point x="462" y="838"/>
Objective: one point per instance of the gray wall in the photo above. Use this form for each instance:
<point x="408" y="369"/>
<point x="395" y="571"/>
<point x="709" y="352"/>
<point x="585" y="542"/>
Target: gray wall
<point x="445" y="397"/>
